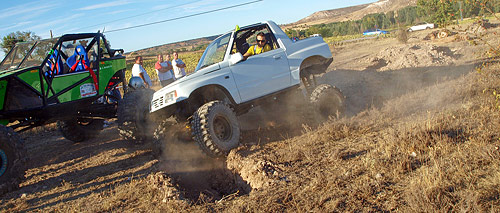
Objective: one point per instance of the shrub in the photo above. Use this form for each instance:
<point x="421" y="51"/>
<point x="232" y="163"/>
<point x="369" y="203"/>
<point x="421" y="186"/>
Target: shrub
<point x="402" y="35"/>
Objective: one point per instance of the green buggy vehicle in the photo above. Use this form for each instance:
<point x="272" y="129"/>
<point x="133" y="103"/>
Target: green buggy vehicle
<point x="72" y="80"/>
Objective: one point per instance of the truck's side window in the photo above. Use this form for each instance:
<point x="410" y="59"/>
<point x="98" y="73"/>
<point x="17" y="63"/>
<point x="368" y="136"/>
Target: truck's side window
<point x="247" y="38"/>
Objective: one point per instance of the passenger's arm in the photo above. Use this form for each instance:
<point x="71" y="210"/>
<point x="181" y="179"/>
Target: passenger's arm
<point x="246" y="55"/>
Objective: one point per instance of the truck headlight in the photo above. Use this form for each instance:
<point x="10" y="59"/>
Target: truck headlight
<point x="170" y="97"/>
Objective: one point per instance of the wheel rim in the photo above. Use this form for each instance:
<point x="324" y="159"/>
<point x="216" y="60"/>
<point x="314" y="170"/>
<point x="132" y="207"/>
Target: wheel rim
<point x="3" y="162"/>
<point x="222" y="128"/>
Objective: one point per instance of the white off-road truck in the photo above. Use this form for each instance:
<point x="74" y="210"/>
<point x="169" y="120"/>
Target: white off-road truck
<point x="224" y="86"/>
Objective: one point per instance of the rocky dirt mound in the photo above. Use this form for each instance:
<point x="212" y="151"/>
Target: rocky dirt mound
<point x="257" y="173"/>
<point x="413" y="55"/>
<point x="165" y="185"/>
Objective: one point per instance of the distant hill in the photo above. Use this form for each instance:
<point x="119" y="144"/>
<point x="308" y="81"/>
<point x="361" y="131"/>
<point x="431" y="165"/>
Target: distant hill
<point x="188" y="45"/>
<point x="352" y="13"/>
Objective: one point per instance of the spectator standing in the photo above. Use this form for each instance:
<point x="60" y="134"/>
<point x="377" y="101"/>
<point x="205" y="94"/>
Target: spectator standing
<point x="139" y="71"/>
<point x="179" y="66"/>
<point x="164" y="70"/>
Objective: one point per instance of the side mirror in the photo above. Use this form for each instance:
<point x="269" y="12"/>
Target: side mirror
<point x="235" y="58"/>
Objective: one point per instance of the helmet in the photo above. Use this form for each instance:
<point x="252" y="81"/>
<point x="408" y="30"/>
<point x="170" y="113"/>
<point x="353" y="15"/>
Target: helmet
<point x="136" y="83"/>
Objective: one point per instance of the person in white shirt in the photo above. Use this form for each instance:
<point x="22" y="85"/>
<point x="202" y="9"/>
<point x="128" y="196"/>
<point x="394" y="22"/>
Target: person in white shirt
<point x="179" y="66"/>
<point x="139" y="71"/>
<point x="164" y="71"/>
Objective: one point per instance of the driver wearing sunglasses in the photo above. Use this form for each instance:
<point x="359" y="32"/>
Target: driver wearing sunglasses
<point x="259" y="48"/>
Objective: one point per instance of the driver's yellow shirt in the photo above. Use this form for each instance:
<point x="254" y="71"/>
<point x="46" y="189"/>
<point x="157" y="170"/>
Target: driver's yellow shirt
<point x="254" y="50"/>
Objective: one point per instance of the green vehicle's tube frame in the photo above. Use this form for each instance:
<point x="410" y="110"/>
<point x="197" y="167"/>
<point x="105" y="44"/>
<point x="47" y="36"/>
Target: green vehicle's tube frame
<point x="60" y="95"/>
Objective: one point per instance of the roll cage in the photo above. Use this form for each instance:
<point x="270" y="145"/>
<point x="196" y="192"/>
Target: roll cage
<point x="33" y="96"/>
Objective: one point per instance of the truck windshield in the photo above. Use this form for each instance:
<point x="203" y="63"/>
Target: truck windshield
<point x="21" y="57"/>
<point x="215" y="52"/>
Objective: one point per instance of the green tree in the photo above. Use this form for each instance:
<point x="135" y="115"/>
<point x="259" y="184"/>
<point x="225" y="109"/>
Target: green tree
<point x="325" y="32"/>
<point x="391" y="17"/>
<point x="11" y="39"/>
<point x="312" y="30"/>
<point x="408" y="15"/>
<point x="438" y="11"/>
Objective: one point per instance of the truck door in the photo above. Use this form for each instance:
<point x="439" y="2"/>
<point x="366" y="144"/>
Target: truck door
<point x="262" y="74"/>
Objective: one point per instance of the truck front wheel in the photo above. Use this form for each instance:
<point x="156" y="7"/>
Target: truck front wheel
<point x="216" y="129"/>
<point x="327" y="101"/>
<point x="12" y="160"/>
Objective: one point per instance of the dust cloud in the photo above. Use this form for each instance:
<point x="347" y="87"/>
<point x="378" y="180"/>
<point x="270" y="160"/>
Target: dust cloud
<point x="385" y="72"/>
<point x="200" y="178"/>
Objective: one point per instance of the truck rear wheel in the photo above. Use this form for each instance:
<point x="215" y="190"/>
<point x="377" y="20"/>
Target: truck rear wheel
<point x="216" y="129"/>
<point x="133" y="114"/>
<point x="327" y="100"/>
<point x="12" y="160"/>
<point x="80" y="129"/>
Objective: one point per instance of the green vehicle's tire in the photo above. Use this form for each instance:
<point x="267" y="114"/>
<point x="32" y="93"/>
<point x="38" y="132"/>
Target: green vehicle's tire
<point x="133" y="116"/>
<point x="80" y="129"/>
<point x="216" y="129"/>
<point x="327" y="101"/>
<point x="13" y="160"/>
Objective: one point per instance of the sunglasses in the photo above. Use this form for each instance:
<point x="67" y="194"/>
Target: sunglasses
<point x="261" y="40"/>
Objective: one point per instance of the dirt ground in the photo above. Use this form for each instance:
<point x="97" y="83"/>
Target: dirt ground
<point x="109" y="174"/>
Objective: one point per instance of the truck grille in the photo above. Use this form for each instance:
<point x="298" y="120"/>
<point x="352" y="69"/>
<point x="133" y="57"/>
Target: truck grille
<point x="157" y="103"/>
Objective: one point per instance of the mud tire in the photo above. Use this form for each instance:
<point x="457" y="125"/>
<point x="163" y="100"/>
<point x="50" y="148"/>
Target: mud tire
<point x="160" y="136"/>
<point x="327" y="101"/>
<point x="79" y="130"/>
<point x="216" y="129"/>
<point x="13" y="160"/>
<point x="133" y="116"/>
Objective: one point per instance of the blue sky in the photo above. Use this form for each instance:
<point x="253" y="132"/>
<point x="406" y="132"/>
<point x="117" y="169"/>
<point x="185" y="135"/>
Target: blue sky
<point x="78" y="16"/>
